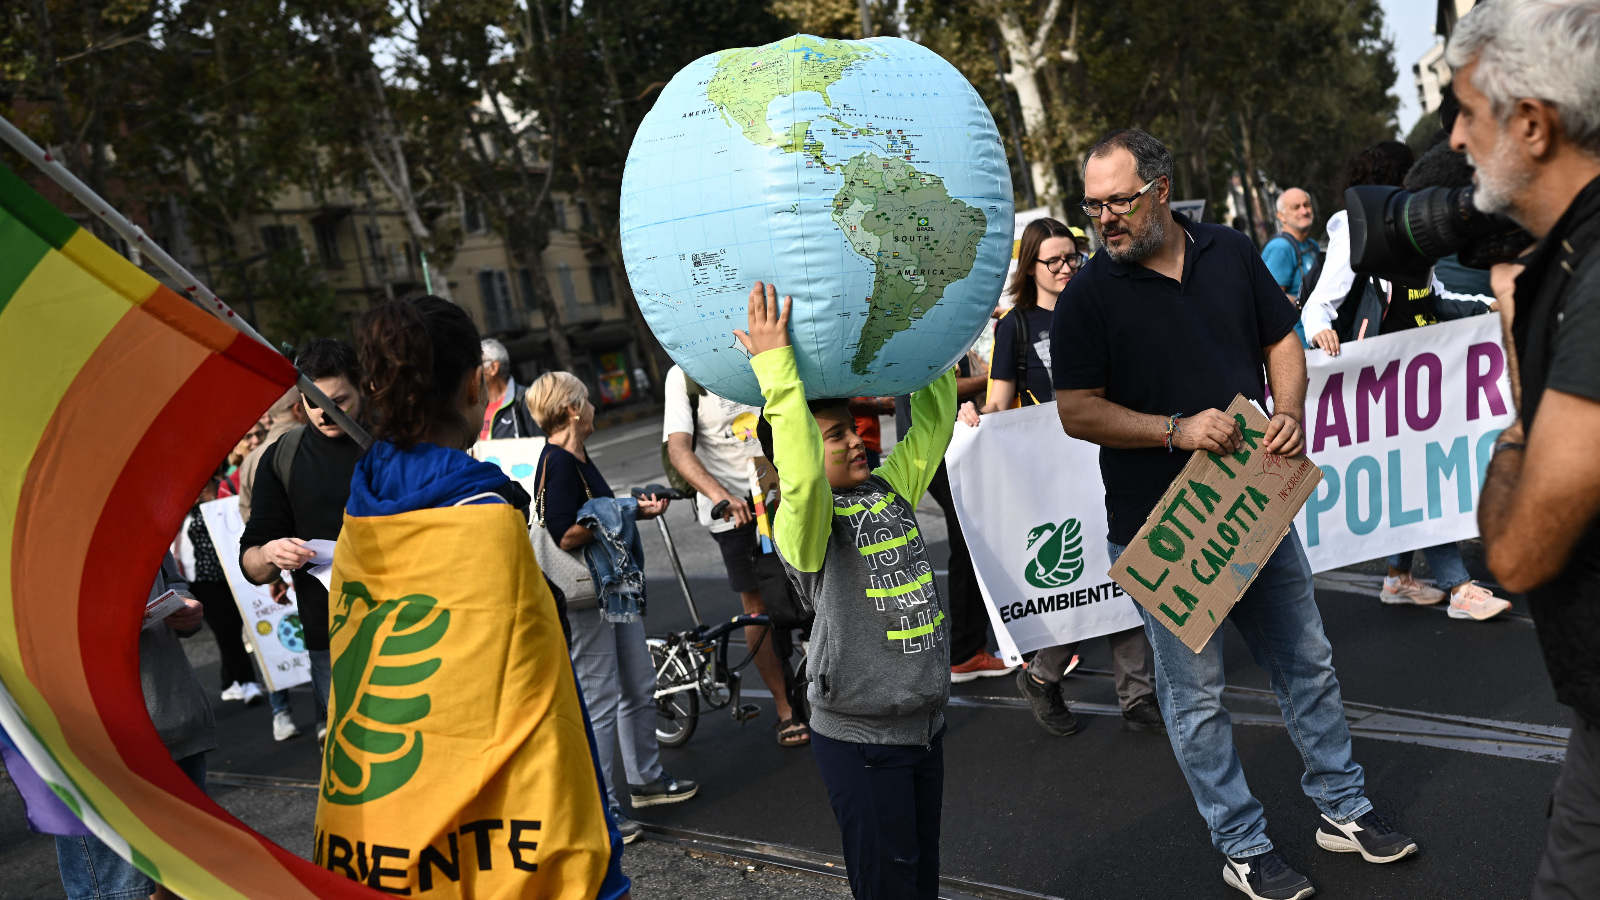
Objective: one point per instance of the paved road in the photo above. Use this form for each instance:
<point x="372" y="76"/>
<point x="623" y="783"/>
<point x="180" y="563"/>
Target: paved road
<point x="1455" y="724"/>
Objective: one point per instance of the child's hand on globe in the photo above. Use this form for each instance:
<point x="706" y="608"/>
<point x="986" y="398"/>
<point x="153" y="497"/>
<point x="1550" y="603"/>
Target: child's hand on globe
<point x="769" y="327"/>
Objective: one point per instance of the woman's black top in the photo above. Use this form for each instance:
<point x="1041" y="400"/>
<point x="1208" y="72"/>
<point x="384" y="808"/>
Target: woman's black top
<point x="562" y="478"/>
<point x="1004" y="364"/>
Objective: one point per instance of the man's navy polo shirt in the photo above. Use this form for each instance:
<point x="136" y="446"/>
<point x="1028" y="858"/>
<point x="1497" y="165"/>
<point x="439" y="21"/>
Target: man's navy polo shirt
<point x="1162" y="348"/>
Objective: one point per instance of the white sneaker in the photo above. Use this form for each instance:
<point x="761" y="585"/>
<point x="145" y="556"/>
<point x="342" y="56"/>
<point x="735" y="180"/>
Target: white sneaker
<point x="233" y="692"/>
<point x="251" y="693"/>
<point x="322" y="732"/>
<point x="1473" y="601"/>
<point x="1405" y="589"/>
<point x="283" y="726"/>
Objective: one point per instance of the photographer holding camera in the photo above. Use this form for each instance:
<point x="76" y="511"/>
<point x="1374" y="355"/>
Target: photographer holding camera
<point x="1527" y="75"/>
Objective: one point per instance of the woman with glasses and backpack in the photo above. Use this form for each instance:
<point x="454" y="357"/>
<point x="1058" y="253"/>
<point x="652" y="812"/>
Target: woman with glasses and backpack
<point x="1020" y="375"/>
<point x="1019" y="371"/>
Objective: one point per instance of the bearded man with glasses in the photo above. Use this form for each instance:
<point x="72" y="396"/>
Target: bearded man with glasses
<point x="1152" y="339"/>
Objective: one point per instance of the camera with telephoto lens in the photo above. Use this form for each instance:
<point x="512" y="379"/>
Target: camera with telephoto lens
<point x="1397" y="235"/>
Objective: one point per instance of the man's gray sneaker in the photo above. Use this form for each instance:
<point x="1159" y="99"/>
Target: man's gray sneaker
<point x="628" y="828"/>
<point x="1143" y="715"/>
<point x="1266" y="877"/>
<point x="665" y="789"/>
<point x="1370" y="835"/>
<point x="1048" y="707"/>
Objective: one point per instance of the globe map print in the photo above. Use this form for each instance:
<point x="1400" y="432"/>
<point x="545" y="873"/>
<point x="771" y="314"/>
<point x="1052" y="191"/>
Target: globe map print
<point x="864" y="178"/>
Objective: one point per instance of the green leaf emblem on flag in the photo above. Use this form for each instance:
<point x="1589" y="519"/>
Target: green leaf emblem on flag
<point x="371" y="752"/>
<point x="1057" y="555"/>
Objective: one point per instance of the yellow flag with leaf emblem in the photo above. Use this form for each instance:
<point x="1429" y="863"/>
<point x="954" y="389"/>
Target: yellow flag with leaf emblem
<point x="457" y="762"/>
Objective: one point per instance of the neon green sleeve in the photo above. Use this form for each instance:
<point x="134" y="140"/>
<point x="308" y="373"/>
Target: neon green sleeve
<point x="805" y="511"/>
<point x="910" y="467"/>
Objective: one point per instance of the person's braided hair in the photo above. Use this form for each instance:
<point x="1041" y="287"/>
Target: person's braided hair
<point x="414" y="355"/>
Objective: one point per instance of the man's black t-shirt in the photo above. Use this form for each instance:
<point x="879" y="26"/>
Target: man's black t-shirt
<point x="1162" y="348"/>
<point x="1035" y="336"/>
<point x="312" y="509"/>
<point x="1408" y="308"/>
<point x="568" y="483"/>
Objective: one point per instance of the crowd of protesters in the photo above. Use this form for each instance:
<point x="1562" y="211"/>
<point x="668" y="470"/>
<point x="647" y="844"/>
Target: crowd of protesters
<point x="1243" y="321"/>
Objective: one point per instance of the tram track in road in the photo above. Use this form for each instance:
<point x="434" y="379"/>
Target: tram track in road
<point x="753" y="854"/>
<point x="1490" y="737"/>
<point x="798" y="859"/>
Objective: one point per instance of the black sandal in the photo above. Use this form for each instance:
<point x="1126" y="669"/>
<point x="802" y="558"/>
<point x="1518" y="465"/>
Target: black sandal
<point x="793" y="733"/>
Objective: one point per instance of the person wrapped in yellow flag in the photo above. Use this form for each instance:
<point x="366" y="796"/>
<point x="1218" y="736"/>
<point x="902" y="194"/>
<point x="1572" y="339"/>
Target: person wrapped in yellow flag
<point x="459" y="761"/>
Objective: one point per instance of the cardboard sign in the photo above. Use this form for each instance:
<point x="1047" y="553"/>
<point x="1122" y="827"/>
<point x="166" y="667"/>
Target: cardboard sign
<point x="1217" y="524"/>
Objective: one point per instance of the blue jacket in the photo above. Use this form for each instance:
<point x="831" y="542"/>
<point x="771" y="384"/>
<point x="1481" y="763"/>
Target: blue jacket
<point x="389" y="481"/>
<point x="615" y="556"/>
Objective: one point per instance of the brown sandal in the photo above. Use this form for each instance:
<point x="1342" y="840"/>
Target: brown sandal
<point x="793" y="733"/>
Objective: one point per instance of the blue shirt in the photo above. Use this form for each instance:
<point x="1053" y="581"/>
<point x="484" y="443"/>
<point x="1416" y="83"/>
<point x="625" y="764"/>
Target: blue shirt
<point x="1164" y="348"/>
<point x="1289" y="260"/>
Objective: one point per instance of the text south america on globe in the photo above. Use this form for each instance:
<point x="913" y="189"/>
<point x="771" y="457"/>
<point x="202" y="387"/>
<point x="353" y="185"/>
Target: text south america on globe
<point x="864" y="178"/>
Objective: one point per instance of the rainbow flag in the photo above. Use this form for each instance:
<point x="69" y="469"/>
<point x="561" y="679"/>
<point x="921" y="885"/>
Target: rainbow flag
<point x="119" y="398"/>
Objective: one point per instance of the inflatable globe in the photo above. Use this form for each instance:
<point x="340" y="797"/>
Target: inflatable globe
<point x="864" y="178"/>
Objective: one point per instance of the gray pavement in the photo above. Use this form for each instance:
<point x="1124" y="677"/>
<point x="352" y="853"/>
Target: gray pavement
<point x="1454" y="721"/>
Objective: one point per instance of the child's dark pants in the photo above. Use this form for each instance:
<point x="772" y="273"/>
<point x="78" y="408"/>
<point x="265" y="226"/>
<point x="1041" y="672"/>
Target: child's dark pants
<point x="887" y="798"/>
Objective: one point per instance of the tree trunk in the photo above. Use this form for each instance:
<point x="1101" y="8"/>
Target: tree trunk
<point x="1027" y="59"/>
<point x="396" y="177"/>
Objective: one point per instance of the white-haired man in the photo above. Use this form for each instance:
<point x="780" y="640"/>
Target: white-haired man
<point x="507" y="415"/>
<point x="1291" y="253"/>
<point x="1528" y="78"/>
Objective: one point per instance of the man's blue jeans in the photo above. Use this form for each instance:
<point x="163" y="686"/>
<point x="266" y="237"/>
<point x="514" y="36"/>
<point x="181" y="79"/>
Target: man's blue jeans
<point x="1444" y="561"/>
<point x="1281" y="625"/>
<point x="90" y="870"/>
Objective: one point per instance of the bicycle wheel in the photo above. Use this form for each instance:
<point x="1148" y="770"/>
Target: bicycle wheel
<point x="677" y="713"/>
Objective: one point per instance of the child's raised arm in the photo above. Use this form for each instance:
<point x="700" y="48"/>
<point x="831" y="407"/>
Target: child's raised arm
<point x="805" y="515"/>
<point x="909" y="468"/>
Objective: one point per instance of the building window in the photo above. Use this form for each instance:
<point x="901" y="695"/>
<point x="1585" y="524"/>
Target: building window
<point x="495" y="290"/>
<point x="223" y="238"/>
<point x="326" y="232"/>
<point x="584" y="217"/>
<point x="558" y="214"/>
<point x="600" y="284"/>
<point x="569" y="290"/>
<point x="380" y="263"/>
<point x="472" y="214"/>
<point x="280" y="237"/>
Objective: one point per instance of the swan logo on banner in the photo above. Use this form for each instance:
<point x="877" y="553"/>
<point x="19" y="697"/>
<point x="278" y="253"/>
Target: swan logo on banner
<point x="1057" y="555"/>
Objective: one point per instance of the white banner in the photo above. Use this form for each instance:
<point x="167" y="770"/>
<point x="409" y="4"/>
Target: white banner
<point x="273" y="628"/>
<point x="1402" y="426"/>
<point x="1032" y="508"/>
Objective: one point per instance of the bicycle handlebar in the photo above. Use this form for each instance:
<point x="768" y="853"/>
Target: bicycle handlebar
<point x="715" y="632"/>
<point x="661" y="492"/>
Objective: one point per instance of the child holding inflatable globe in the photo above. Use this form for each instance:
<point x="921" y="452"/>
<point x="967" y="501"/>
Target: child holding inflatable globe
<point x="849" y="539"/>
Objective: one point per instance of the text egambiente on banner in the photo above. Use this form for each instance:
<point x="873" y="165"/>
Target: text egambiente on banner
<point x="1402" y="426"/>
<point x="1032" y="510"/>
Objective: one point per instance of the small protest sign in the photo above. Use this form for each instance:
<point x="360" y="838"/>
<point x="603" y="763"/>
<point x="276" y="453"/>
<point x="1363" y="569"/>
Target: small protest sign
<point x="517" y="457"/>
<point x="1217" y="524"/>
<point x="271" y="626"/>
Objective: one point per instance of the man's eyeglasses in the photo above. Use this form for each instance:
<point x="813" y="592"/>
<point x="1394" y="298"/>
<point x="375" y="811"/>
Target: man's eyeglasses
<point x="1118" y="207"/>
<point x="1073" y="262"/>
